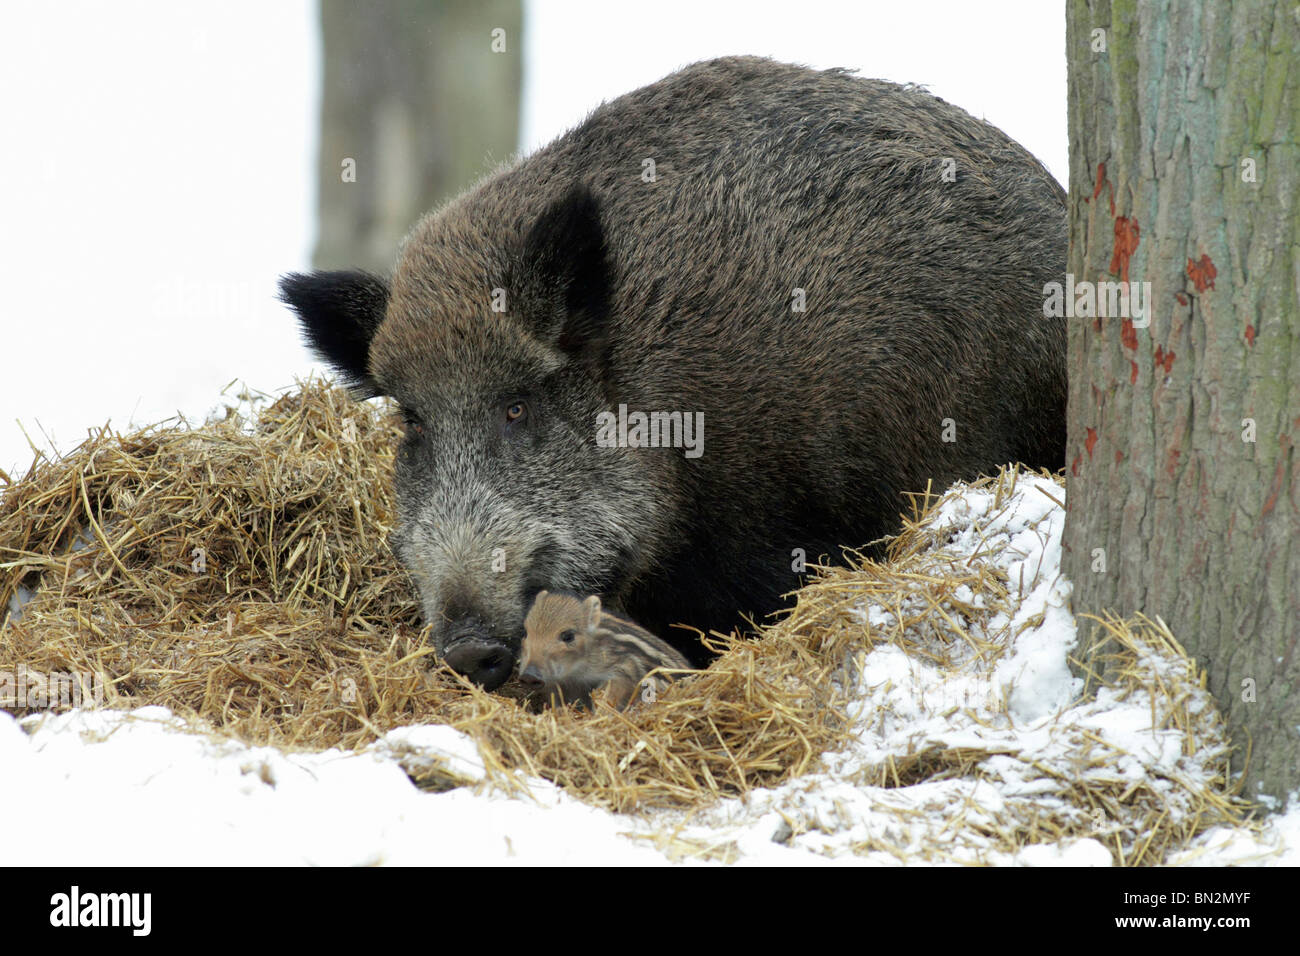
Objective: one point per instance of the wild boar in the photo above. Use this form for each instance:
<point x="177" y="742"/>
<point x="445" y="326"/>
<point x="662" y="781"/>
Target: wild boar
<point x="727" y="321"/>
<point x="573" y="646"/>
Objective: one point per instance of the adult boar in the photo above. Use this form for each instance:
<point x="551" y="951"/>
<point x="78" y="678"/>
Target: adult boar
<point x="843" y="276"/>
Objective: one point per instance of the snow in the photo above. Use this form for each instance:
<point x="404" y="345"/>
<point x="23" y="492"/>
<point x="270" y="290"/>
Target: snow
<point x="176" y="795"/>
<point x="180" y="798"/>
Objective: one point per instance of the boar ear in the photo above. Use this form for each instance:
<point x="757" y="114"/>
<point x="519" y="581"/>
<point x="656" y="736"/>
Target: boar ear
<point x="566" y="279"/>
<point x="339" y="313"/>
<point x="591" y="613"/>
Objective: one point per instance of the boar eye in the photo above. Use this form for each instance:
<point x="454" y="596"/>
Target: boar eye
<point x="567" y="637"/>
<point x="516" y="412"/>
<point x="413" y="423"/>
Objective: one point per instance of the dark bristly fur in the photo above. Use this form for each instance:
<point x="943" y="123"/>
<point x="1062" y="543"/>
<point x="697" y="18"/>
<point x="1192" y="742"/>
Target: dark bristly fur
<point x="339" y="313"/>
<point x="572" y="647"/>
<point x="924" y="303"/>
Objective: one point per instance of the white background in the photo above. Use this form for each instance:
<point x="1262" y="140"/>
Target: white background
<point x="159" y="165"/>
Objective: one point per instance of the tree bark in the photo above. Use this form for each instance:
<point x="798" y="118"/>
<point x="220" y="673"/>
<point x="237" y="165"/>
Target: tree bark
<point x="1182" y="470"/>
<point x="417" y="98"/>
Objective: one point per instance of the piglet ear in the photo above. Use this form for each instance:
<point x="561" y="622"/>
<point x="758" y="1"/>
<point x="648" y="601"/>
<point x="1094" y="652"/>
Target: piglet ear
<point x="565" y="276"/>
<point x="339" y="313"/>
<point x="591" y="613"/>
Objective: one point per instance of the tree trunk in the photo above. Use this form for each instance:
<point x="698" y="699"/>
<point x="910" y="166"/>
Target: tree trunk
<point x="418" y="100"/>
<point x="1182" y="469"/>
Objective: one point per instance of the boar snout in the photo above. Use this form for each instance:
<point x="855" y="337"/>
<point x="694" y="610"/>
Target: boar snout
<point x="474" y="652"/>
<point x="488" y="665"/>
<point x="531" y="677"/>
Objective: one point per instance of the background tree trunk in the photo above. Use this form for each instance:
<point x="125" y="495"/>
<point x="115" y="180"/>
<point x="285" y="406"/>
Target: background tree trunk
<point x="415" y="95"/>
<point x="1184" y="170"/>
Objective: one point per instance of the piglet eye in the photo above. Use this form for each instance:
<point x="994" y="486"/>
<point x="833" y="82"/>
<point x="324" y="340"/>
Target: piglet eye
<point x="516" y="411"/>
<point x="567" y="637"/>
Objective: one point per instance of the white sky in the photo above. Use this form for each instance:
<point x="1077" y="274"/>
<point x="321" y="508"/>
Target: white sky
<point x="159" y="164"/>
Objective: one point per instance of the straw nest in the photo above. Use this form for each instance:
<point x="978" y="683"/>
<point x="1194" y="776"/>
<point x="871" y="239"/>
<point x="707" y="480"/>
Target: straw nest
<point x="237" y="573"/>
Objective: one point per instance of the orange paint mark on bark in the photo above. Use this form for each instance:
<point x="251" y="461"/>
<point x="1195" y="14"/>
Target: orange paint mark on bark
<point x="1091" y="441"/>
<point x="1119" y="456"/>
<point x="1074" y="465"/>
<point x="1250" y="335"/>
<point x="1276" y="490"/>
<point x="1126" y="243"/>
<point x="1096" y="190"/>
<point x="1202" y="273"/>
<point x="1133" y="373"/>
<point x="1164" y="359"/>
<point x="1182" y="299"/>
<point x="1128" y="335"/>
